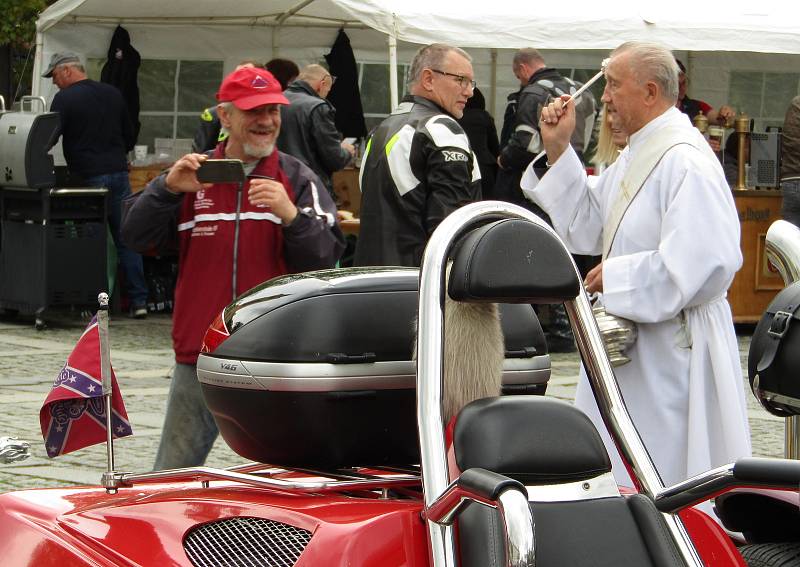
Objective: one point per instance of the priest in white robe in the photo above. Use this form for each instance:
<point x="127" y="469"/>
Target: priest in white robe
<point x="670" y="244"/>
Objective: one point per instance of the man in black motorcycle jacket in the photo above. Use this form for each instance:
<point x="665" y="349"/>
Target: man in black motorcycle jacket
<point x="539" y="84"/>
<point x="418" y="166"/>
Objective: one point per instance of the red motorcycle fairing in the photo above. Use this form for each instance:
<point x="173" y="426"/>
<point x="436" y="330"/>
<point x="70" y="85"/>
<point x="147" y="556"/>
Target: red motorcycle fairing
<point x="713" y="544"/>
<point x="146" y="525"/>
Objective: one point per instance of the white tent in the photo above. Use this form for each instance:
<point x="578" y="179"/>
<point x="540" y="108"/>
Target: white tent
<point x="714" y="38"/>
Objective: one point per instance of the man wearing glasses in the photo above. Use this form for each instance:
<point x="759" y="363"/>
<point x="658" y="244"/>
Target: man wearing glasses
<point x="418" y="166"/>
<point x="309" y="131"/>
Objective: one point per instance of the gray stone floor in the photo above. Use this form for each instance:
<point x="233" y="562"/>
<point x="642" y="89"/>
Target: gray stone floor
<point x="142" y="357"/>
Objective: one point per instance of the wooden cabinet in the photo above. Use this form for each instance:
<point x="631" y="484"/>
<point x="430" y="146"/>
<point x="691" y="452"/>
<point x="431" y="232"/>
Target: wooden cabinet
<point x="142" y="175"/>
<point x="348" y="192"/>
<point x="757" y="282"/>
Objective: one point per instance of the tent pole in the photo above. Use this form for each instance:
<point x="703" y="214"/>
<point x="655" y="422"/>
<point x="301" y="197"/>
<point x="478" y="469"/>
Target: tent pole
<point x="37" y="66"/>
<point x="493" y="80"/>
<point x="393" y="98"/>
<point x="276" y="47"/>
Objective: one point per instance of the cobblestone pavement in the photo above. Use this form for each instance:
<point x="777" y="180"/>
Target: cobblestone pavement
<point x="142" y="357"/>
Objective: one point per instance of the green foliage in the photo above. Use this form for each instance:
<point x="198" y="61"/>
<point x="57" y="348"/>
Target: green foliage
<point x="18" y="21"/>
<point x="18" y="33"/>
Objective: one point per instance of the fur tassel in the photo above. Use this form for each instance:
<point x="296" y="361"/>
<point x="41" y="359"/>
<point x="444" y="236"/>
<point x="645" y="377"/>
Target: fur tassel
<point x="474" y="352"/>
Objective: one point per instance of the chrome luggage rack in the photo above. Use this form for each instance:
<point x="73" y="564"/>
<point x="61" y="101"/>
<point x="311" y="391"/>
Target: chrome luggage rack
<point x="278" y="479"/>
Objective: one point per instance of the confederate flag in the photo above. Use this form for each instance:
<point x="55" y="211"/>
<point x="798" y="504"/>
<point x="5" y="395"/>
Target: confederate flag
<point x="74" y="414"/>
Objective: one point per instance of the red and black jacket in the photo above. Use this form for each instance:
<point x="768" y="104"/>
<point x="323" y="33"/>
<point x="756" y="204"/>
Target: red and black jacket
<point x="206" y="222"/>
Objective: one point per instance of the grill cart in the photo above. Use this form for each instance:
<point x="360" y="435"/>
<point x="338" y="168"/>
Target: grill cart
<point x="53" y="246"/>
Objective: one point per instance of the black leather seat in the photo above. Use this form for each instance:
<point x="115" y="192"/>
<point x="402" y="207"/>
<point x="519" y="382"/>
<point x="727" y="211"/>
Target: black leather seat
<point x="554" y="447"/>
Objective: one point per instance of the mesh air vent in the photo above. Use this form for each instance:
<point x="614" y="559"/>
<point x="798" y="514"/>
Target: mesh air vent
<point x="245" y="542"/>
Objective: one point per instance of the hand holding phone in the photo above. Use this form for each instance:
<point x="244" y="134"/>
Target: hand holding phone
<point x="221" y="171"/>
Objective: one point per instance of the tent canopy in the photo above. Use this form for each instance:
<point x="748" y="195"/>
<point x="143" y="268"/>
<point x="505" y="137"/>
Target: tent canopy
<point x="581" y="24"/>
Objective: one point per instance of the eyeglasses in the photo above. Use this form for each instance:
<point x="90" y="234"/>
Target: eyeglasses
<point x="463" y="81"/>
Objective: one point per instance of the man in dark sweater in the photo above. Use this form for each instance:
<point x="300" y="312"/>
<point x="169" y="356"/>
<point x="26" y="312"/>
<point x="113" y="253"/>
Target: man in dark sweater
<point x="97" y="134"/>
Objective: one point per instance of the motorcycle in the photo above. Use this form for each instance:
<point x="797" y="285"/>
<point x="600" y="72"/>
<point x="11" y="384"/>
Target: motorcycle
<point x="374" y="460"/>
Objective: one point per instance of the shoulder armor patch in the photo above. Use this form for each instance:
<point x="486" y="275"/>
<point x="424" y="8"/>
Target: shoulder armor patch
<point x="446" y="132"/>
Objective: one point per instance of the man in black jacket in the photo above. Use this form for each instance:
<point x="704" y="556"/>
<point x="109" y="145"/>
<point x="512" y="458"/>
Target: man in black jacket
<point x="309" y="129"/>
<point x="540" y="83"/>
<point x="418" y="166"/>
<point x="97" y="134"/>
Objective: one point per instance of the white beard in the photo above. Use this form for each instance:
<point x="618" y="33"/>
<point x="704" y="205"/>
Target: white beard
<point x="258" y="151"/>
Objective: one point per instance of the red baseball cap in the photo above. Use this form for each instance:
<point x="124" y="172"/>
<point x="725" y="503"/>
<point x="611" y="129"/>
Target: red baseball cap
<point x="250" y="87"/>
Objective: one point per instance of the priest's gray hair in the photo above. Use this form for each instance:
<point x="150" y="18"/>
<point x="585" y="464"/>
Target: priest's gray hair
<point x="431" y="57"/>
<point x="653" y="62"/>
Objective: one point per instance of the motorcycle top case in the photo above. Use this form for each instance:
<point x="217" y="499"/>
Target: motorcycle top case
<point x="318" y="371"/>
<point x="775" y="354"/>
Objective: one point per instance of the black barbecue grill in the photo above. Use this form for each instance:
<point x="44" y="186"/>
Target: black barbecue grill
<point x="53" y="243"/>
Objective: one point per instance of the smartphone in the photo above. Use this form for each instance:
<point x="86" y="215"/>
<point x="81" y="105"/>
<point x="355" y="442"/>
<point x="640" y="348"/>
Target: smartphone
<point x="221" y="171"/>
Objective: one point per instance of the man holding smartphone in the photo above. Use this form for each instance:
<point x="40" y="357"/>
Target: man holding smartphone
<point x="232" y="236"/>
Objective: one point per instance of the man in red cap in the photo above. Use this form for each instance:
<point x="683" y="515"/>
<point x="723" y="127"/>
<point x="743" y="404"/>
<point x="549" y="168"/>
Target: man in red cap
<point x="231" y="237"/>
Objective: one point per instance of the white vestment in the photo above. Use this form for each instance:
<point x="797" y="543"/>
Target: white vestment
<point x="673" y="258"/>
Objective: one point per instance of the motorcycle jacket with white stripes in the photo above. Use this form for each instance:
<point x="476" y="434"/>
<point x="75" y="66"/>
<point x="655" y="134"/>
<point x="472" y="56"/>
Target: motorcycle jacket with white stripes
<point x="211" y="220"/>
<point x="418" y="168"/>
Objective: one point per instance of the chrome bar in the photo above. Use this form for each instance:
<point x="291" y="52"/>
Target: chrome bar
<point x="30" y="100"/>
<point x="783" y="251"/>
<point x="696" y="489"/>
<point x="520" y="531"/>
<point x="78" y="191"/>
<point x="448" y="507"/>
<point x="617" y="419"/>
<point x="609" y="399"/>
<point x="105" y="379"/>
<point x="435" y="478"/>
<point x="515" y="513"/>
<point x="206" y="474"/>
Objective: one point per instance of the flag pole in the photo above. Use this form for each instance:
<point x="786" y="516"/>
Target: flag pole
<point x="105" y="376"/>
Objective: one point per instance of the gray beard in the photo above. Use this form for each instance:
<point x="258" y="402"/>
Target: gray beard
<point x="258" y="151"/>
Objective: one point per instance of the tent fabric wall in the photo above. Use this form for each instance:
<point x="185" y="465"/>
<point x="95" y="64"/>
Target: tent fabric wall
<point x="711" y="42"/>
<point x="735" y="25"/>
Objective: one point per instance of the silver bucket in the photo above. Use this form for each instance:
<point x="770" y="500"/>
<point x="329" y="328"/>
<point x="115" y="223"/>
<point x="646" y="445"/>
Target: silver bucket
<point x="618" y="335"/>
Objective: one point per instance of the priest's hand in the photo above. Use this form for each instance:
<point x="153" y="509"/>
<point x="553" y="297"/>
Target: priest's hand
<point x="594" y="279"/>
<point x="555" y="126"/>
<point x="182" y="176"/>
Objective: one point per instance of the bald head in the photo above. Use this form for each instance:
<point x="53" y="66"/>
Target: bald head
<point x="317" y="77"/>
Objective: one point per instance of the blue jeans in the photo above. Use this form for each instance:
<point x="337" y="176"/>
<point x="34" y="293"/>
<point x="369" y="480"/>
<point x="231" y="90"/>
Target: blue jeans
<point x="790" y="207"/>
<point x="189" y="429"/>
<point x="131" y="263"/>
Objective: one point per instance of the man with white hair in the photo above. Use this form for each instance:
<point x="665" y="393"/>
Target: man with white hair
<point x="418" y="166"/>
<point x="664" y="219"/>
<point x="231" y="238"/>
